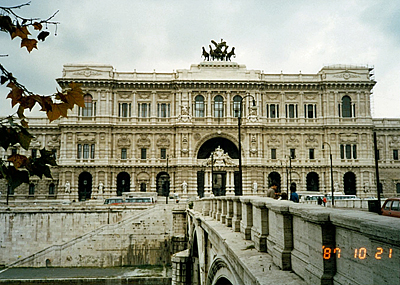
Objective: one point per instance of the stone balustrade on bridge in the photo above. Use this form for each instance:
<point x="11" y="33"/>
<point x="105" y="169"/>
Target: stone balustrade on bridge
<point x="320" y="245"/>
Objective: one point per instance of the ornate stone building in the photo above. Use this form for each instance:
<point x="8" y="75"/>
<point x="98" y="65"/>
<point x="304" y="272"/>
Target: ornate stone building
<point x="141" y="131"/>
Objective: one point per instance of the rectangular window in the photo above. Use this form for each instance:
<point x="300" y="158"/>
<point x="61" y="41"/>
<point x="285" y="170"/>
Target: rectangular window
<point x="273" y="153"/>
<point x="218" y="109"/>
<point x="92" y="151"/>
<point x="143" y="153"/>
<point x="292" y="153"/>
<point x="342" y="151"/>
<point x="54" y="153"/>
<point x="378" y="156"/>
<point x="163" y="110"/>
<point x="310" y="111"/>
<point x="144" y="110"/>
<point x="124" y="110"/>
<point x="348" y="151"/>
<point x="34" y="153"/>
<point x="123" y="153"/>
<point x="199" y="109"/>
<point x="79" y="152"/>
<point x="291" y="111"/>
<point x="311" y="153"/>
<point x="396" y="154"/>
<point x="163" y="154"/>
<point x="31" y="189"/>
<point x="85" y="151"/>
<point x="355" y="151"/>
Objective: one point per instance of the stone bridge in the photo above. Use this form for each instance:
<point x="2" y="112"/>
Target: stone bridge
<point x="253" y="240"/>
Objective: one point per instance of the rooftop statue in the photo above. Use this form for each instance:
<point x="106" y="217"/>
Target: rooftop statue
<point x="220" y="52"/>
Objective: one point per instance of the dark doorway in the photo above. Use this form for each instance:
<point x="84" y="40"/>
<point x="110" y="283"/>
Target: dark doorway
<point x="219" y="183"/>
<point x="163" y="184"/>
<point x="85" y="186"/>
<point x="123" y="183"/>
<point x="349" y="180"/>
<point x="200" y="183"/>
<point x="143" y="187"/>
<point x="274" y="178"/>
<point x="312" y="182"/>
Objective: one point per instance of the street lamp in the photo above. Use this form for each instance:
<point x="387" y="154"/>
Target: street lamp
<point x="330" y="157"/>
<point x="167" y="185"/>
<point x="240" y="144"/>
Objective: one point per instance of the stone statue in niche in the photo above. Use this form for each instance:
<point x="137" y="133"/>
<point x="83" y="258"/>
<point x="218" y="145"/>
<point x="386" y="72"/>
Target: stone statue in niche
<point x="67" y="187"/>
<point x="184" y="187"/>
<point x="185" y="115"/>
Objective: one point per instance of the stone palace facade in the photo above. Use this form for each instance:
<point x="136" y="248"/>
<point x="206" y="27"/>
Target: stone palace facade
<point x="141" y="132"/>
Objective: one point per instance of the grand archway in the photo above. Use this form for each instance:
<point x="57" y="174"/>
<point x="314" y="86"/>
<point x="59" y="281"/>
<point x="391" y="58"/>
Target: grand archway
<point x="209" y="146"/>
<point x="163" y="181"/>
<point x="349" y="181"/>
<point x="312" y="182"/>
<point x="85" y="186"/>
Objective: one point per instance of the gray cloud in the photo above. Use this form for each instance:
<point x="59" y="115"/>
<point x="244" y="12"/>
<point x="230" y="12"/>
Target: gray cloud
<point x="167" y="35"/>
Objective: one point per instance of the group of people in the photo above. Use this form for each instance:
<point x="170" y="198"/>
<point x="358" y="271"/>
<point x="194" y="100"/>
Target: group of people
<point x="273" y="193"/>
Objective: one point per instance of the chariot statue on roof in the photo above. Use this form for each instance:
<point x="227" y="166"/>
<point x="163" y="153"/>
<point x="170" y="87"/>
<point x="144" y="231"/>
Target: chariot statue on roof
<point x="220" y="52"/>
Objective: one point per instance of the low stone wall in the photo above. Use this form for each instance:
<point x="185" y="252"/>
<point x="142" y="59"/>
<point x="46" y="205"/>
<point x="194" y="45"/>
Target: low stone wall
<point x="322" y="245"/>
<point x="92" y="281"/>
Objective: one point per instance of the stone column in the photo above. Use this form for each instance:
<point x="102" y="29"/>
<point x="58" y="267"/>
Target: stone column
<point x="247" y="218"/>
<point x="219" y="208"/>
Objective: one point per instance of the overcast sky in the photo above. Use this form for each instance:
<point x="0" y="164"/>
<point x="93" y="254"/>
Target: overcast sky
<point x="164" y="35"/>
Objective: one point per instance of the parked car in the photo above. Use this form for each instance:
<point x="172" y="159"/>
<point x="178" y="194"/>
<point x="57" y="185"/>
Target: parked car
<point x="391" y="207"/>
<point x="114" y="201"/>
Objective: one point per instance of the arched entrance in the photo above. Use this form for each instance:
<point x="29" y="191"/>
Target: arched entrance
<point x="210" y="145"/>
<point x="349" y="180"/>
<point x="223" y="281"/>
<point x="163" y="184"/>
<point x="274" y="178"/>
<point x="312" y="182"/>
<point x="123" y="183"/>
<point x="85" y="186"/>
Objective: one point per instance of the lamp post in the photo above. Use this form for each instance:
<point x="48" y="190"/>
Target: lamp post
<point x="240" y="144"/>
<point x="212" y="173"/>
<point x="330" y="157"/>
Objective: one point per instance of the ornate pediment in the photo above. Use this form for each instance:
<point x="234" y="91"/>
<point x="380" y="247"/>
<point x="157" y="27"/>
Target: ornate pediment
<point x="54" y="141"/>
<point x="86" y="137"/>
<point x="274" y="140"/>
<point x="292" y="140"/>
<point x="219" y="158"/>
<point x="348" y="138"/>
<point x="311" y="140"/>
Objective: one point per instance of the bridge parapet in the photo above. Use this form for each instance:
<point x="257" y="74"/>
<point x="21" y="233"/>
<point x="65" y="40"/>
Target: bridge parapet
<point x="321" y="245"/>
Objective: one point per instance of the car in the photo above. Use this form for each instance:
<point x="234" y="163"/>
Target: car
<point x="114" y="201"/>
<point x="140" y="200"/>
<point x="391" y="207"/>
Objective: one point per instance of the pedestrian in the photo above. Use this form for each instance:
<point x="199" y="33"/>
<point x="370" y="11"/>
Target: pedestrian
<point x="324" y="201"/>
<point x="294" y="197"/>
<point x="271" y="191"/>
<point x="319" y="201"/>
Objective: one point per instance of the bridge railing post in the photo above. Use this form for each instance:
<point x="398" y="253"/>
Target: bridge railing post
<point x="259" y="230"/>
<point x="219" y="208"/>
<point x="237" y="213"/>
<point x="280" y="238"/>
<point x="229" y="211"/>
<point x="205" y="210"/>
<point x="223" y="212"/>
<point x="247" y="217"/>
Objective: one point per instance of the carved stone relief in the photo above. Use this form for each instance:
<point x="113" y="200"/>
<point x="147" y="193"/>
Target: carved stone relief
<point x="163" y="141"/>
<point x="143" y="141"/>
<point x="123" y="140"/>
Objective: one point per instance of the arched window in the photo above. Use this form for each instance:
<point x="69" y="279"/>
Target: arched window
<point x="31" y="189"/>
<point x="237" y="100"/>
<point x="346" y="107"/>
<point x="218" y="106"/>
<point x="52" y="188"/>
<point x="199" y="106"/>
<point x="87" y="111"/>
